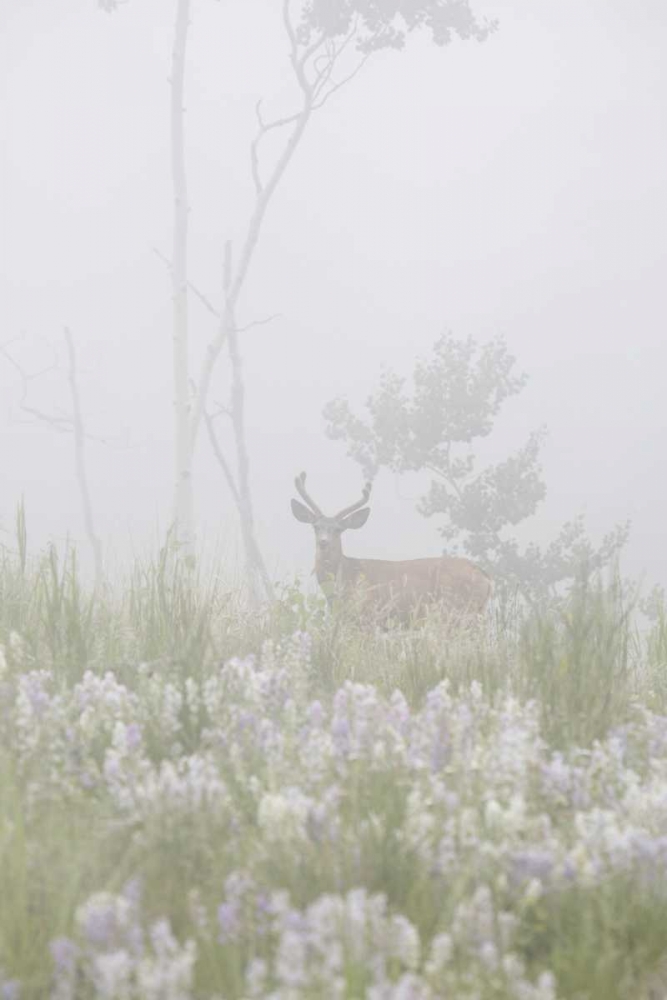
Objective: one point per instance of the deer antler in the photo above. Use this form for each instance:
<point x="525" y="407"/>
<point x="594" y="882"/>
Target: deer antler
<point x="355" y="506"/>
<point x="300" y="483"/>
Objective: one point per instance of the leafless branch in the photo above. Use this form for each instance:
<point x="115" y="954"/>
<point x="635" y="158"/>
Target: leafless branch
<point x="211" y="308"/>
<point x="331" y="59"/>
<point x="206" y="302"/>
<point x="310" y="51"/>
<point x="341" y="83"/>
<point x="8" y="343"/>
<point x="324" y="64"/>
<point x="263" y="129"/>
<point x="222" y="461"/>
<point x="258" y="322"/>
<point x="254" y="161"/>
<point x="59" y="423"/>
<point x="220" y="411"/>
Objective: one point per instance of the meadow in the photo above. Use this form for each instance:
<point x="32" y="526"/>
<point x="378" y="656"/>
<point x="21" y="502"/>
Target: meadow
<point x="200" y="800"/>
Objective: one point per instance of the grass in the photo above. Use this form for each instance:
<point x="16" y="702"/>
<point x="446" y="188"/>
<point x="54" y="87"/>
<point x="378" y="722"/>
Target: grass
<point x="582" y="663"/>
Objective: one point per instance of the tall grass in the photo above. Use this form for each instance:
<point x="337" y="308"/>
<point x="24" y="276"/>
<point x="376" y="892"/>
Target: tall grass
<point x="583" y="658"/>
<point x="581" y="668"/>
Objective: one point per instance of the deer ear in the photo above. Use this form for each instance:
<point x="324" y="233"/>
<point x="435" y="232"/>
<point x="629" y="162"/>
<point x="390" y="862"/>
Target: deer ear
<point x="302" y="513"/>
<point x="356" y="520"/>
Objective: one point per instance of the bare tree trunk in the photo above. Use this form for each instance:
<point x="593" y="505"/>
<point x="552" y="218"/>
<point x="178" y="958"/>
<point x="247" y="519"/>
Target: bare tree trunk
<point x="80" y="457"/>
<point x="257" y="577"/>
<point x="316" y="90"/>
<point x="256" y="572"/>
<point x="183" y="504"/>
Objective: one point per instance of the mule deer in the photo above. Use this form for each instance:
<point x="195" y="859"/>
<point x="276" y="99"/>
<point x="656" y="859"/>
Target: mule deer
<point x="395" y="589"/>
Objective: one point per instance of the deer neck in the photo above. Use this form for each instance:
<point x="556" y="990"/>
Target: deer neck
<point x="335" y="568"/>
<point x="330" y="565"/>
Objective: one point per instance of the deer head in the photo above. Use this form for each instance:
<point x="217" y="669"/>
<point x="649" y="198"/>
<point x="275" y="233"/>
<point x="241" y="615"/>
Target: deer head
<point x="328" y="530"/>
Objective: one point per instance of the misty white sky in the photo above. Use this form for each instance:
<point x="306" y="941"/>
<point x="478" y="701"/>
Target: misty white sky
<point x="514" y="187"/>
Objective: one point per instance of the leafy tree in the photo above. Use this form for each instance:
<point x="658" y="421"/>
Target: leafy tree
<point x="432" y="425"/>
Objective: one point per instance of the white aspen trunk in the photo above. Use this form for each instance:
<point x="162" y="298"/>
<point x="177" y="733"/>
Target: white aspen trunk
<point x="183" y="503"/>
<point x="258" y="579"/>
<point x="81" y="470"/>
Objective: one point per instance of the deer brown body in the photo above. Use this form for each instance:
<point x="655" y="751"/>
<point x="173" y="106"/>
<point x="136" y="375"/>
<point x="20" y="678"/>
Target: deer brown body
<point x="394" y="589"/>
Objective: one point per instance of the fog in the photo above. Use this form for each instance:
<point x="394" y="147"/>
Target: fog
<point x="513" y="187"/>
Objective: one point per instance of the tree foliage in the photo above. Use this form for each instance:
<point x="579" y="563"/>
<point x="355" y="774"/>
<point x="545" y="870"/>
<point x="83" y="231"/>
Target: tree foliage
<point x="432" y="425"/>
<point x="381" y="24"/>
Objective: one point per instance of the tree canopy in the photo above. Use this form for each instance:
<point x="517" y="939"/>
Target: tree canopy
<point x="380" y="24"/>
<point x="432" y="425"/>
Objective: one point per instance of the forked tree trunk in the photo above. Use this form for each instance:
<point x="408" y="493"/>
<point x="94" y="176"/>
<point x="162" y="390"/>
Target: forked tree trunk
<point x="259" y="581"/>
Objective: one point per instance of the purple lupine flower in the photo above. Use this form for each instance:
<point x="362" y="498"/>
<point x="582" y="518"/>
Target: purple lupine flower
<point x="530" y="863"/>
<point x="228" y="922"/>
<point x="33" y="685"/>
<point x="64" y="953"/>
<point x="263" y="913"/>
<point x="246" y="720"/>
<point x="340" y="732"/>
<point x="10" y="989"/>
<point x="315" y="714"/>
<point x="568" y="871"/>
<point x="400" y="712"/>
<point x="99" y="926"/>
<point x="134" y="935"/>
<point x="133" y="736"/>
<point x="441" y="749"/>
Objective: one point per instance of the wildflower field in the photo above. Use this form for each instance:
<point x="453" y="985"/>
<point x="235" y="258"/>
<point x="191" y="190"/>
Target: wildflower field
<point x="199" y="801"/>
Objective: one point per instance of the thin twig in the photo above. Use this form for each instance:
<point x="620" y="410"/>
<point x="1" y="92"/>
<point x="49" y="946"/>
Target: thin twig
<point x="193" y="288"/>
<point x="221" y="411"/>
<point x="59" y="423"/>
<point x="258" y="322"/>
<point x="211" y="308"/>
<point x="346" y="79"/>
